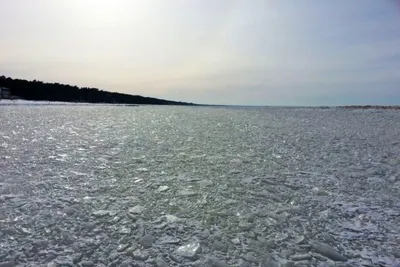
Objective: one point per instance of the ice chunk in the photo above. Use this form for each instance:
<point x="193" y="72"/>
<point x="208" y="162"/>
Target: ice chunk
<point x="163" y="188"/>
<point x="190" y="250"/>
<point x="171" y="218"/>
<point x="327" y="251"/>
<point x="137" y="209"/>
<point x="169" y="240"/>
<point x="187" y="193"/>
<point x="100" y="213"/>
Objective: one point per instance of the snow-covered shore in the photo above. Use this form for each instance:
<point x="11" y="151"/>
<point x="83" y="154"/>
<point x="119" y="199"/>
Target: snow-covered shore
<point x="9" y="102"/>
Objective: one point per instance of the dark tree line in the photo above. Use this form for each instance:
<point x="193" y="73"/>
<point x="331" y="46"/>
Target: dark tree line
<point x="38" y="90"/>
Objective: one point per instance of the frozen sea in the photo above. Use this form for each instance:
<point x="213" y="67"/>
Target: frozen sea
<point x="198" y="186"/>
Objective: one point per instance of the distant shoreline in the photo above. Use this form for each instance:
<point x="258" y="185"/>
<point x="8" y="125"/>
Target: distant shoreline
<point x="56" y="92"/>
<point x="370" y="107"/>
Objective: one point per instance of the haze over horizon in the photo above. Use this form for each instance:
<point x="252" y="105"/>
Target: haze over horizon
<point x="259" y="52"/>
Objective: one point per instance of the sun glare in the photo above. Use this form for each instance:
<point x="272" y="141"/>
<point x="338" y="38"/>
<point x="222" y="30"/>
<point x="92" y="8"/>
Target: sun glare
<point x="100" y="10"/>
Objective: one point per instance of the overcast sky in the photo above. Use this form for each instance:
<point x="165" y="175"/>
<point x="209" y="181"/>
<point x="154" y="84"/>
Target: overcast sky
<point x="250" y="52"/>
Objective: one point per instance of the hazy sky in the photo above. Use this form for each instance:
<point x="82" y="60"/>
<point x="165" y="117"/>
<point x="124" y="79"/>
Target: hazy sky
<point x="250" y="52"/>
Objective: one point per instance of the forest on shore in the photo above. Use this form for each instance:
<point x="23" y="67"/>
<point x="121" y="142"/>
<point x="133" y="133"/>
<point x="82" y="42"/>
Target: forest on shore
<point x="38" y="90"/>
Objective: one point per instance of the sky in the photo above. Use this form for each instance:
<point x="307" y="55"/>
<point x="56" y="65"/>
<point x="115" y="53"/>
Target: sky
<point x="238" y="52"/>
